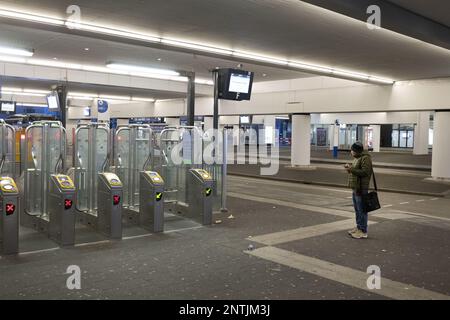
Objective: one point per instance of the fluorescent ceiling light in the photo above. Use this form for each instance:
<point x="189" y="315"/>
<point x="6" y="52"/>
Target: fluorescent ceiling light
<point x="256" y="57"/>
<point x="143" y="99"/>
<point x="30" y="17"/>
<point x="16" y="52"/>
<point x="13" y="59"/>
<point x="195" y="46"/>
<point x="352" y="75"/>
<point x="145" y="70"/>
<point x="204" y="81"/>
<point x="381" y="80"/>
<point x="111" y="31"/>
<point x="22" y="104"/>
<point x="309" y="67"/>
<point x="24" y="94"/>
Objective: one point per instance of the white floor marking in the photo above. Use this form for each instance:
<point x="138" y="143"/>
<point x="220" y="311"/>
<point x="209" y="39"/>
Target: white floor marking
<point x="434" y="199"/>
<point x="39" y="251"/>
<point x="387" y="206"/>
<point x="404" y="202"/>
<point x="84" y="244"/>
<point x="421" y="200"/>
<point x="345" y="275"/>
<point x="305" y="232"/>
<point x="284" y="183"/>
<point x="335" y="212"/>
<point x="423" y="215"/>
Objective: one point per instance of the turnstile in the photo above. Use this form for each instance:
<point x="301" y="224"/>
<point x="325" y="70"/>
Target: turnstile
<point x="99" y="192"/>
<point x="200" y="194"/>
<point x="143" y="190"/>
<point x="9" y="193"/>
<point x="9" y="216"/>
<point x="189" y="188"/>
<point x="48" y="197"/>
<point x="151" y="203"/>
<point x="109" y="212"/>
<point x="61" y="210"/>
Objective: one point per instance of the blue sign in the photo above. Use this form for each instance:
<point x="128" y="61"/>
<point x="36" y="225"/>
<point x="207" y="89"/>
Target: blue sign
<point x="102" y="106"/>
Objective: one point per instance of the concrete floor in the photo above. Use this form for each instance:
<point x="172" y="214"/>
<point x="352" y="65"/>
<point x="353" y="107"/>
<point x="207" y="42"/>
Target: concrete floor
<point x="301" y="251"/>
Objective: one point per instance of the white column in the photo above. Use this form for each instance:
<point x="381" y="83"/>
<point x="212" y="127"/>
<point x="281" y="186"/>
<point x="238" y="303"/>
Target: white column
<point x="173" y="121"/>
<point x="421" y="131"/>
<point x="331" y="136"/>
<point x="209" y="123"/>
<point x="440" y="167"/>
<point x="236" y="135"/>
<point x="376" y="137"/>
<point x="301" y="140"/>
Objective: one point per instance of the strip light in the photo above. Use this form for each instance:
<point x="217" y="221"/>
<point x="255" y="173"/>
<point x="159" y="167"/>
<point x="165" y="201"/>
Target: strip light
<point x="16" y="52"/>
<point x="144" y="70"/>
<point x="189" y="45"/>
<point x="23" y="92"/>
<point x="90" y="96"/>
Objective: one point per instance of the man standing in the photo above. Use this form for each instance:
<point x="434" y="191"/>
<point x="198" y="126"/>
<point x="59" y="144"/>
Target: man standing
<point x="360" y="172"/>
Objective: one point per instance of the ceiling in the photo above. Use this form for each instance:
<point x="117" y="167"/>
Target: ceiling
<point x="90" y="89"/>
<point x="436" y="10"/>
<point x="289" y="29"/>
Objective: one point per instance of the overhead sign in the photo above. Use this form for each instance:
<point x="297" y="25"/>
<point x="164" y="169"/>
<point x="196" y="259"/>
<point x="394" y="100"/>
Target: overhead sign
<point x="102" y="106"/>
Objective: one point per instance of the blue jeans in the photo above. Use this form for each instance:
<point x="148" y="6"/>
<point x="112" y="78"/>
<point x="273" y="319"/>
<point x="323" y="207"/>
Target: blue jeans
<point x="361" y="216"/>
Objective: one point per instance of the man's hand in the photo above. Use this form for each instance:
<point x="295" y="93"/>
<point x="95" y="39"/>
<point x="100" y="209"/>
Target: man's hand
<point x="348" y="167"/>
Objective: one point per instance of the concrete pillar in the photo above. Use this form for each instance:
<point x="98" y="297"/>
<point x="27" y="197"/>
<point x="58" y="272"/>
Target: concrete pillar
<point x="376" y="137"/>
<point x="331" y="136"/>
<point x="421" y="131"/>
<point x="440" y="167"/>
<point x="236" y="135"/>
<point x="301" y="140"/>
<point x="335" y="140"/>
<point x="208" y="123"/>
<point x="173" y="121"/>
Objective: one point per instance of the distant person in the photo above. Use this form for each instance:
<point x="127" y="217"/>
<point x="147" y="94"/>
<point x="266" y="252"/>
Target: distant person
<point x="360" y="172"/>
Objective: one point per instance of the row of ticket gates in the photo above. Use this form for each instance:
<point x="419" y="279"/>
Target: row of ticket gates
<point x="92" y="192"/>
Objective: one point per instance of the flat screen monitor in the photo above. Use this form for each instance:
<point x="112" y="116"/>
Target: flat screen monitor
<point x="235" y="84"/>
<point x="53" y="101"/>
<point x="245" y="119"/>
<point x="8" y="107"/>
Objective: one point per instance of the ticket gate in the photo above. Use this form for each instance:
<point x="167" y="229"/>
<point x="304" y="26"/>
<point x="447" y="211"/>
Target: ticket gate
<point x="143" y="189"/>
<point x="7" y="149"/>
<point x="200" y="193"/>
<point x="151" y="201"/>
<point x="99" y="192"/>
<point x="189" y="188"/>
<point x="9" y="219"/>
<point x="48" y="195"/>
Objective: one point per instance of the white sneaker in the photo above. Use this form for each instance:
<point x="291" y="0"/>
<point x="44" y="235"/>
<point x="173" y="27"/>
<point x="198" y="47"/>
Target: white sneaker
<point x="359" y="235"/>
<point x="352" y="231"/>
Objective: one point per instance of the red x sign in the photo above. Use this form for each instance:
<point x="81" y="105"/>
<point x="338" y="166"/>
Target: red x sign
<point x="10" y="208"/>
<point x="67" y="204"/>
<point x="116" y="200"/>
